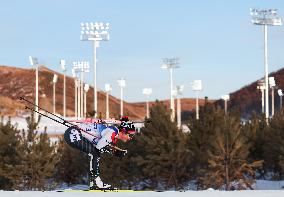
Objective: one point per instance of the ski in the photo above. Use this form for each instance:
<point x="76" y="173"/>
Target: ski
<point x="103" y="190"/>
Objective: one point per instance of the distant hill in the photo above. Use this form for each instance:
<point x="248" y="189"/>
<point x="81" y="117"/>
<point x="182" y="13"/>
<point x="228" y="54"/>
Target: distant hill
<point x="248" y="99"/>
<point x="15" y="82"/>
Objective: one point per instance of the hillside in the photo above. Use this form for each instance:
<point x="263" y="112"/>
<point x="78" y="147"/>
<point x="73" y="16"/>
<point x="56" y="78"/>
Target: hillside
<point x="248" y="99"/>
<point x="15" y="82"/>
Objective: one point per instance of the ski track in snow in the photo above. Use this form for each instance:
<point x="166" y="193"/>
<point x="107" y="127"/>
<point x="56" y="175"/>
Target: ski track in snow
<point x="206" y="193"/>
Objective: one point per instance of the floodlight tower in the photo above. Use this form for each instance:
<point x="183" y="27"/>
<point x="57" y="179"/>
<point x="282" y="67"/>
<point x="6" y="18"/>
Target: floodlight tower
<point x="280" y="93"/>
<point x="261" y="87"/>
<point x="82" y="67"/>
<point x="86" y="89"/>
<point x="272" y="85"/>
<point x="63" y="66"/>
<point x="121" y="83"/>
<point x="95" y="32"/>
<point x="147" y="92"/>
<point x="34" y="62"/>
<point x="225" y="98"/>
<point x="266" y="18"/>
<point x="179" y="91"/>
<point x="197" y="86"/>
<point x="76" y="87"/>
<point x="108" y="88"/>
<point x="54" y="81"/>
<point x="171" y="63"/>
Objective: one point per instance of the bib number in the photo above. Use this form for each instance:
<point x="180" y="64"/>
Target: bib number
<point x="74" y="135"/>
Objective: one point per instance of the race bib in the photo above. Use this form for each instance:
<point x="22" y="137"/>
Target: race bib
<point x="74" y="135"/>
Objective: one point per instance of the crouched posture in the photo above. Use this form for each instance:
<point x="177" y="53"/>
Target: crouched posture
<point x="95" y="138"/>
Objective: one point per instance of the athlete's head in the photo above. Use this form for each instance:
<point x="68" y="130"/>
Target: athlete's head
<point x="126" y="129"/>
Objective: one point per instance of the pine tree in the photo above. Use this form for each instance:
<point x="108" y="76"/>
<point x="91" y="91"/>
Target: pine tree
<point x="227" y="157"/>
<point x="72" y="166"/>
<point x="165" y="155"/>
<point x="255" y="131"/>
<point x="123" y="172"/>
<point x="202" y="132"/>
<point x="274" y="145"/>
<point x="9" y="154"/>
<point x="38" y="158"/>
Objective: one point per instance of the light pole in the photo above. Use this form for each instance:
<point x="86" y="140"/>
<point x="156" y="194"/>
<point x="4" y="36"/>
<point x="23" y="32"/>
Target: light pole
<point x="86" y="89"/>
<point x="34" y="62"/>
<point x="171" y="63"/>
<point x="108" y="88"/>
<point x="197" y="86"/>
<point x="179" y="90"/>
<point x="95" y="32"/>
<point x="225" y="98"/>
<point x="54" y="81"/>
<point x="82" y="67"/>
<point x="280" y="93"/>
<point x="261" y="87"/>
<point x="121" y="83"/>
<point x="63" y="66"/>
<point x="266" y="18"/>
<point x="272" y="86"/>
<point x="76" y="87"/>
<point x="147" y="92"/>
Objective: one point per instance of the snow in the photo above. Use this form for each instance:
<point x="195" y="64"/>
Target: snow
<point x="275" y="185"/>
<point x="52" y="127"/>
<point x="206" y="193"/>
<point x="269" y="185"/>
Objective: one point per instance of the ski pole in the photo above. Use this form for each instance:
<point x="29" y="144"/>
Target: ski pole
<point x="63" y="123"/>
<point x="22" y="98"/>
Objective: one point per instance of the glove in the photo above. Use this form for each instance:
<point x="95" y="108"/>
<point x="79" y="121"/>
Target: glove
<point x="106" y="150"/>
<point x="119" y="153"/>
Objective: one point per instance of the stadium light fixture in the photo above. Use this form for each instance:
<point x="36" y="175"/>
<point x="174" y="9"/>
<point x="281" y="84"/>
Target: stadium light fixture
<point x="122" y="84"/>
<point x="178" y="92"/>
<point x="82" y="67"/>
<point x="197" y="87"/>
<point x="272" y="85"/>
<point x="64" y="68"/>
<point x="147" y="92"/>
<point x="265" y="17"/>
<point x="95" y="32"/>
<point x="226" y="98"/>
<point x="170" y="64"/>
<point x="280" y="93"/>
<point x="54" y="81"/>
<point x="76" y="91"/>
<point x="108" y="88"/>
<point x="34" y="62"/>
<point x="261" y="87"/>
<point x="86" y="89"/>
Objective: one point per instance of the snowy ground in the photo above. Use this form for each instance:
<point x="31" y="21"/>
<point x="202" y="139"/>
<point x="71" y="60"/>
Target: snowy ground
<point x="263" y="188"/>
<point x="207" y="193"/>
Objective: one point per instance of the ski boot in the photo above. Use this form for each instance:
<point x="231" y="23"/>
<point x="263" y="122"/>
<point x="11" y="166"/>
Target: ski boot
<point x="97" y="184"/>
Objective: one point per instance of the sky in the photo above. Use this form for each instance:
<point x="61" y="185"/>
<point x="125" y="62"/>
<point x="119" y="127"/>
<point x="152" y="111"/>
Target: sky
<point x="214" y="40"/>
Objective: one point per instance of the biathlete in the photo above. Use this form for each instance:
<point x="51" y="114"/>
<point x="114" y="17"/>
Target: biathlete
<point x="96" y="137"/>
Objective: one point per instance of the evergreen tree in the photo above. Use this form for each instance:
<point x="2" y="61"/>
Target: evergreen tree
<point x="123" y="172"/>
<point x="38" y="158"/>
<point x="255" y="131"/>
<point x="72" y="167"/>
<point x="165" y="154"/>
<point x="274" y="145"/>
<point x="9" y="154"/>
<point x="202" y="132"/>
<point x="227" y="156"/>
